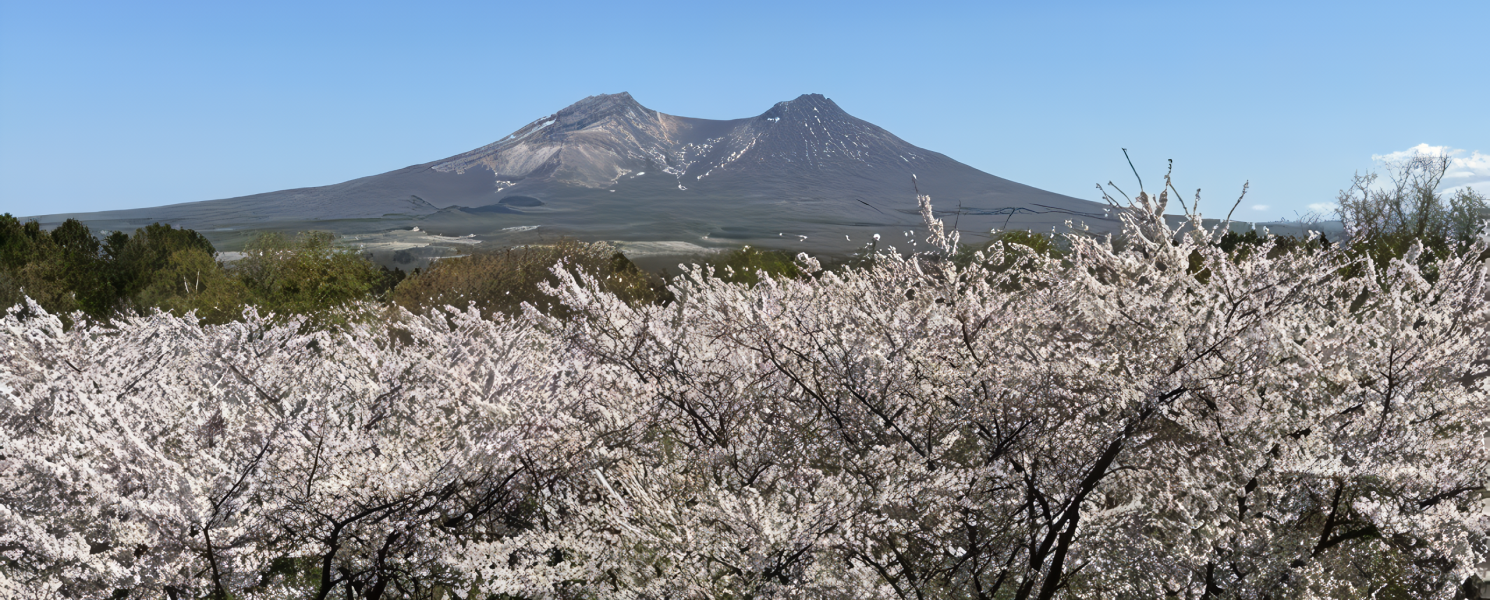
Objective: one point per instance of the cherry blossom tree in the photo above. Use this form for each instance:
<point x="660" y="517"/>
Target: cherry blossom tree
<point x="1156" y="417"/>
<point x="1159" y="419"/>
<point x="170" y="458"/>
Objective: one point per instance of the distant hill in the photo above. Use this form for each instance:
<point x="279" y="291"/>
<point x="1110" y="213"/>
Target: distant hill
<point x="609" y="168"/>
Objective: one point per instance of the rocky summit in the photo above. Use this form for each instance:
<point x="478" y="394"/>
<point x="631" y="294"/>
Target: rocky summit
<point x="804" y="174"/>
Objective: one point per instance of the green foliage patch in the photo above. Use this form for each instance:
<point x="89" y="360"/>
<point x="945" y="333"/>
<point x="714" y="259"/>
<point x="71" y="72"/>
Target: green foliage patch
<point x="500" y="281"/>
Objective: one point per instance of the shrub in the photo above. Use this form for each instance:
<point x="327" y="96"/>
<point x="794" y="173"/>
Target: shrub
<point x="305" y="275"/>
<point x="747" y="265"/>
<point x="1385" y="219"/>
<point x="501" y="281"/>
<point x="1041" y="244"/>
<point x="61" y="269"/>
<point x="191" y="280"/>
<point x="19" y="243"/>
<point x="138" y="257"/>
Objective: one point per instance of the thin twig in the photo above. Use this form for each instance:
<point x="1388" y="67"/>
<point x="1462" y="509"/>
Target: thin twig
<point x="1135" y="170"/>
<point x="1227" y="226"/>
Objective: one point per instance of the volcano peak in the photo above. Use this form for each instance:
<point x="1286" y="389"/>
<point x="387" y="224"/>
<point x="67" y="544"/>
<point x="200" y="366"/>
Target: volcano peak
<point x="593" y="109"/>
<point x="602" y="104"/>
<point x="806" y="105"/>
<point x="607" y="167"/>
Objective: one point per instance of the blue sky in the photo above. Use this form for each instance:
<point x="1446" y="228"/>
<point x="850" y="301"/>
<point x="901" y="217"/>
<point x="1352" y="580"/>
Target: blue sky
<point x="108" y="105"/>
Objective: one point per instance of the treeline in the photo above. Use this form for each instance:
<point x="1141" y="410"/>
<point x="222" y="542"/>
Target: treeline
<point x="106" y="277"/>
<point x="176" y="270"/>
<point x="69" y="269"/>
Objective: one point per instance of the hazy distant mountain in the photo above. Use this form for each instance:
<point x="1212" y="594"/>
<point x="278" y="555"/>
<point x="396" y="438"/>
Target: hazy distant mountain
<point x="609" y="168"/>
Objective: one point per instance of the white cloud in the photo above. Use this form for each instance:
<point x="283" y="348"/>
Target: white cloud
<point x="1324" y="208"/>
<point x="1466" y="168"/>
<point x="1411" y="152"/>
<point x="1259" y="207"/>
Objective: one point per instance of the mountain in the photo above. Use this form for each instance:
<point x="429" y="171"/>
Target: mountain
<point x="609" y="168"/>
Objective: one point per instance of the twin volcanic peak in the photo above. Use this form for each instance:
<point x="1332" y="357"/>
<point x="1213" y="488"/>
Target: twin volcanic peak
<point x="607" y="167"/>
<point x="600" y="140"/>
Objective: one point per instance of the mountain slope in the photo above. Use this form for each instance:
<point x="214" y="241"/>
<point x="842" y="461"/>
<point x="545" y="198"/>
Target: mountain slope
<point x="609" y="168"/>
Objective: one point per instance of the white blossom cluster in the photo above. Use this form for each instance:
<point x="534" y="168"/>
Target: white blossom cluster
<point x="1158" y="418"/>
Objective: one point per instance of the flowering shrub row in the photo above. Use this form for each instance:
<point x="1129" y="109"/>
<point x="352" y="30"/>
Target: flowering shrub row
<point x="1163" y="419"/>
